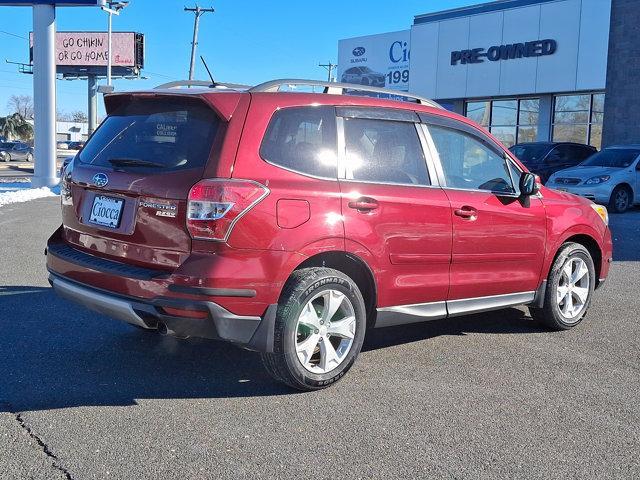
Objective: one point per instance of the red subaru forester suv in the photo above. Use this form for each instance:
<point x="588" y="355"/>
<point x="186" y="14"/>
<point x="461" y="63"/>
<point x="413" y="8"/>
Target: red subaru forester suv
<point x="290" y="223"/>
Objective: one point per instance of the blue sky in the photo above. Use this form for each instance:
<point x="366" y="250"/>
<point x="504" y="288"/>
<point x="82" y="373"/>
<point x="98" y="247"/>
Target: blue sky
<point x="243" y="41"/>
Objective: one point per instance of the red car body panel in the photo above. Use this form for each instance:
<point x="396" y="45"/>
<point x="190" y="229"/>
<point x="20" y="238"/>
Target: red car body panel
<point x="498" y="250"/>
<point x="410" y="259"/>
<point x="416" y="246"/>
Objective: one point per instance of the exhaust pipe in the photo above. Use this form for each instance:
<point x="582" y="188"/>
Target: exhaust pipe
<point x="162" y="329"/>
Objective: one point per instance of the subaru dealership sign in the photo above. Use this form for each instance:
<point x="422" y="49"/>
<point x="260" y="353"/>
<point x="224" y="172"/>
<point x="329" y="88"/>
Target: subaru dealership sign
<point x="375" y="60"/>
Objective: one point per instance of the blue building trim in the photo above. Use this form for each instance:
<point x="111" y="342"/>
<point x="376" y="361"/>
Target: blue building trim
<point x="474" y="10"/>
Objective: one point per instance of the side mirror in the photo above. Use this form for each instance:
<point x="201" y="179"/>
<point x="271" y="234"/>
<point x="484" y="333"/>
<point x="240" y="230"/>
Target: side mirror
<point x="528" y="184"/>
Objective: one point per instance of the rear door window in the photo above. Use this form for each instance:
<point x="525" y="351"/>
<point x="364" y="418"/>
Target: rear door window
<point x="303" y="139"/>
<point x="384" y="151"/>
<point x="154" y="135"/>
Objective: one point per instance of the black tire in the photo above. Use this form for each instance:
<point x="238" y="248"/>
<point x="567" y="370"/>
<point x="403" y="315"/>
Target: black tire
<point x="617" y="206"/>
<point x="304" y="284"/>
<point x="550" y="314"/>
<point x="29" y="157"/>
<point x="7" y="158"/>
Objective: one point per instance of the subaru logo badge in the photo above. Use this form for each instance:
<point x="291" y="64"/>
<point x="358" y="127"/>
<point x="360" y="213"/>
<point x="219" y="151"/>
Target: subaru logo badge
<point x="358" y="51"/>
<point x="100" y="179"/>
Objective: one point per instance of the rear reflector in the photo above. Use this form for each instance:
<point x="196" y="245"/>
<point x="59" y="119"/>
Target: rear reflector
<point x="215" y="205"/>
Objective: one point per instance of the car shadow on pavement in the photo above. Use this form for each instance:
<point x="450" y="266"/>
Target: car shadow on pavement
<point x="54" y="354"/>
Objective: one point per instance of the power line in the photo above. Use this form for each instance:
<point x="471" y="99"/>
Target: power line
<point x="158" y="74"/>
<point x="13" y="35"/>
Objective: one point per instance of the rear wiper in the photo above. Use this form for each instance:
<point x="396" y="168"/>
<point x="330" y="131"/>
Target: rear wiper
<point x="134" y="162"/>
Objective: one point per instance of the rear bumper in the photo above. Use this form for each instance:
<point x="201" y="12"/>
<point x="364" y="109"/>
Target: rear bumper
<point x="252" y="332"/>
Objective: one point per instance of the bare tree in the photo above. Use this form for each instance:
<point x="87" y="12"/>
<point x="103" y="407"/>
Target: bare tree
<point x="79" y="116"/>
<point x="62" y="116"/>
<point x="22" y="104"/>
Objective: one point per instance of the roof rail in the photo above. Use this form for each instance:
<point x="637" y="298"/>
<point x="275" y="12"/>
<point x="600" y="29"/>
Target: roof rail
<point x="202" y="83"/>
<point x="339" y="89"/>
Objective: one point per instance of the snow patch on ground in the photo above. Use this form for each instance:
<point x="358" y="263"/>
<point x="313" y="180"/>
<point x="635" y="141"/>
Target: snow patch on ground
<point x="22" y="192"/>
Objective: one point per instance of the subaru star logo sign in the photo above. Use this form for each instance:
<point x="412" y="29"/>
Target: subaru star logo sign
<point x="358" y="51"/>
<point x="100" y="179"/>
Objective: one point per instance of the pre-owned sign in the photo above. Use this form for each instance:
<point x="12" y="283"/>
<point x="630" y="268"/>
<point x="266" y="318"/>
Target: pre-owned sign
<point x="536" y="48"/>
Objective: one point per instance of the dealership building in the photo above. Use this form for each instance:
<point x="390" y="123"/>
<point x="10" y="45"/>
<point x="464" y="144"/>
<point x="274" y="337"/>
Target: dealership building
<point x="527" y="70"/>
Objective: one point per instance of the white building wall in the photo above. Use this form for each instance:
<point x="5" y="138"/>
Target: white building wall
<point x="580" y="27"/>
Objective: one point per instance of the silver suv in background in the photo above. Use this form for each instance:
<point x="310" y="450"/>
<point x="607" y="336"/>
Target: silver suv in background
<point x="610" y="177"/>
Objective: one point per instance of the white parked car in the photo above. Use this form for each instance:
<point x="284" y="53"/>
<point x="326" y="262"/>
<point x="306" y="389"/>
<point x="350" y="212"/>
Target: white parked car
<point x="610" y="177"/>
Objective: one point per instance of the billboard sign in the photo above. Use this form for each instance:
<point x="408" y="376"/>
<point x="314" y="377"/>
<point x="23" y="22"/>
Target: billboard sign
<point x="376" y="60"/>
<point x="87" y="51"/>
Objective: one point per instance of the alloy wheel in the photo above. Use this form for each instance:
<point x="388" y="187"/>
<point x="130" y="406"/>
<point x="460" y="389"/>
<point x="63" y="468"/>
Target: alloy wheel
<point x="325" y="331"/>
<point x="621" y="200"/>
<point x="573" y="289"/>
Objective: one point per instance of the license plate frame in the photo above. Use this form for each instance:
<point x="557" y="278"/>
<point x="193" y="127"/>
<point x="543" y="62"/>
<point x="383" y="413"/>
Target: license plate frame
<point x="106" y="220"/>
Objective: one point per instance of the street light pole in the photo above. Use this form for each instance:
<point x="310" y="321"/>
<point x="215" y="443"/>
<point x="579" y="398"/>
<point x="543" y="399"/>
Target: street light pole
<point x="112" y="8"/>
<point x="109" y="48"/>
<point x="196" y="24"/>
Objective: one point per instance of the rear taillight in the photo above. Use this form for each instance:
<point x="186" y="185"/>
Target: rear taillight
<point x="215" y="205"/>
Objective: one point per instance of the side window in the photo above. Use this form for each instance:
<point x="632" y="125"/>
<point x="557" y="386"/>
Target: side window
<point x="469" y="163"/>
<point x="559" y="155"/>
<point x="303" y="139"/>
<point x="384" y="151"/>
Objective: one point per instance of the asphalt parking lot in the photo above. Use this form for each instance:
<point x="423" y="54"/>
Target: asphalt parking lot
<point x="484" y="396"/>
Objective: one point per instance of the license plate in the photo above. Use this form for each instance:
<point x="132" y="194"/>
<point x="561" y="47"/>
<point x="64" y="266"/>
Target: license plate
<point x="106" y="211"/>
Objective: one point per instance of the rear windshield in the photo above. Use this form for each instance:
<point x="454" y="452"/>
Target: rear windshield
<point x="153" y="135"/>
<point x="615" y="158"/>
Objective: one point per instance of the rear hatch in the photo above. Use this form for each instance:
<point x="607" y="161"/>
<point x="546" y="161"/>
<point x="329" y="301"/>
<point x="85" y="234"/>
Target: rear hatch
<point x="125" y="194"/>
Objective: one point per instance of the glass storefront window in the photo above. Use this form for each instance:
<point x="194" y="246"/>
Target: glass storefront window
<point x="527" y="134"/>
<point x="578" y="118"/>
<point x="511" y="121"/>
<point x="529" y="111"/>
<point x="572" y="109"/>
<point x="506" y="135"/>
<point x="479" y="112"/>
<point x="575" y="118"/>
<point x="504" y="112"/>
<point x="570" y="133"/>
<point x="597" y="110"/>
<point x="596" y="135"/>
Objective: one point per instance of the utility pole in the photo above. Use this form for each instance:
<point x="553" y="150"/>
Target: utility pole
<point x="198" y="13"/>
<point x="329" y="66"/>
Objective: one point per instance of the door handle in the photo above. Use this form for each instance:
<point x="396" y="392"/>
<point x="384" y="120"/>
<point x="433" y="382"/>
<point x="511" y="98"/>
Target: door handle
<point x="364" y="204"/>
<point x="466" y="212"/>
